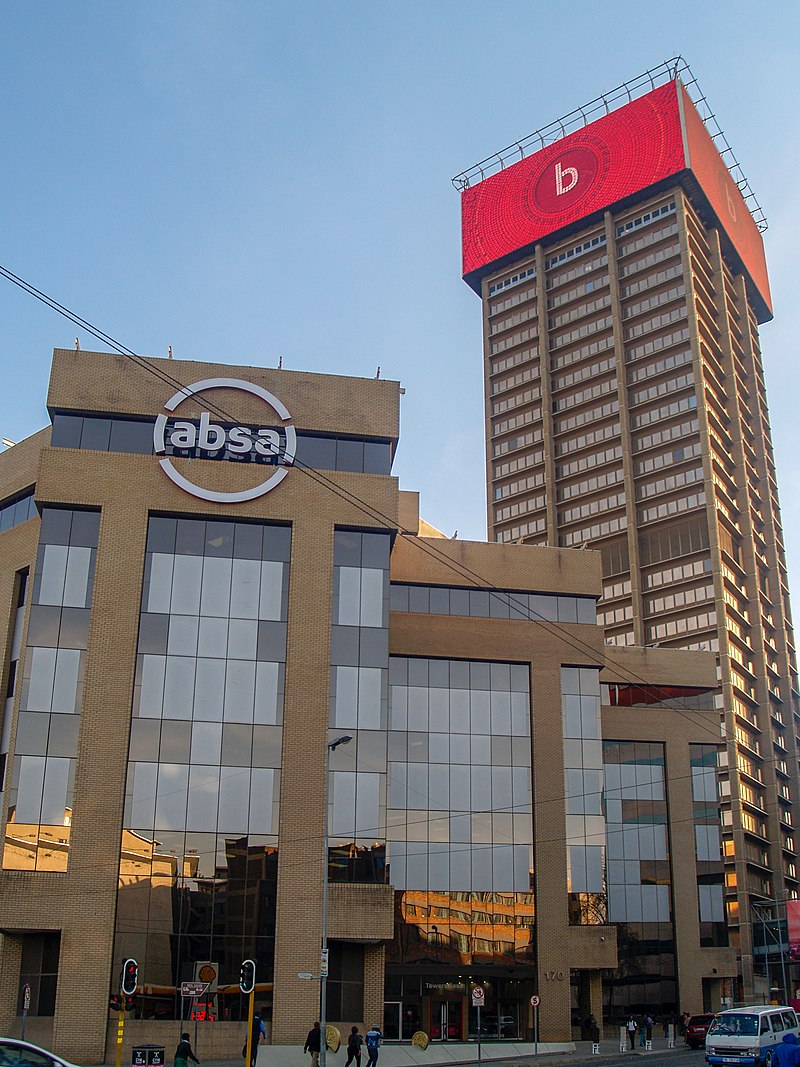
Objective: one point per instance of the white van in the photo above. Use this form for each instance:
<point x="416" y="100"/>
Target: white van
<point x="749" y="1035"/>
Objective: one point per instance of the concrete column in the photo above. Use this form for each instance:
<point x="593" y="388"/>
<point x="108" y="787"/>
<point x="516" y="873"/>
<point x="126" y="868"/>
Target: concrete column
<point x="373" y="984"/>
<point x="10" y="960"/>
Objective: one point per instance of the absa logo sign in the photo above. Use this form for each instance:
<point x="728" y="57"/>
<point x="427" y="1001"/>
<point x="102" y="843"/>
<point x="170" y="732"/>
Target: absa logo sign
<point x="211" y="438"/>
<point x="566" y="180"/>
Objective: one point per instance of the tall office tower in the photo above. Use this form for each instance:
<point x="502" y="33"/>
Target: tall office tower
<point x="621" y="268"/>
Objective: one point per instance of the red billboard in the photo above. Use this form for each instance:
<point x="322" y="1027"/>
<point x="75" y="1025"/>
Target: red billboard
<point x="656" y="136"/>
<point x="723" y="194"/>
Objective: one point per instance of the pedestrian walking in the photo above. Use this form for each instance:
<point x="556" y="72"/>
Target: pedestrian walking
<point x="354" y="1043"/>
<point x="183" y="1053"/>
<point x="314" y="1044"/>
<point x="259" y="1031"/>
<point x="642" y="1030"/>
<point x="648" y="1028"/>
<point x="631" y="1026"/>
<point x="374" y="1038"/>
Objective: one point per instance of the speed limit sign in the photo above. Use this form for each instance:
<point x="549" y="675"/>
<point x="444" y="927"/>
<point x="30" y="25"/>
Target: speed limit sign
<point x="536" y="1001"/>
<point x="478" y="995"/>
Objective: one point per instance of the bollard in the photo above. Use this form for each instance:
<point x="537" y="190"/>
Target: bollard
<point x="595" y="1048"/>
<point x="623" y="1039"/>
<point x="648" y="1046"/>
<point x="670" y="1036"/>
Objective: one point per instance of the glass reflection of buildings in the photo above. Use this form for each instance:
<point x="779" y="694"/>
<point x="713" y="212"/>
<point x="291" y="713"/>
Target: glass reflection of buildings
<point x="188" y="690"/>
<point x="199" y="867"/>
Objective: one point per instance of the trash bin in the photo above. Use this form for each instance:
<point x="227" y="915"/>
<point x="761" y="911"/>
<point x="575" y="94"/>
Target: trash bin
<point x="147" y="1056"/>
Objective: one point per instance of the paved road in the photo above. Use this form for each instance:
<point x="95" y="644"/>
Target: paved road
<point x="610" y="1056"/>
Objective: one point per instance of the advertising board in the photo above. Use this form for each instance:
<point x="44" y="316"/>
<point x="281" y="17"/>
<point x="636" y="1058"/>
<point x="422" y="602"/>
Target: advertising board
<point x="654" y="137"/>
<point x="723" y="194"/>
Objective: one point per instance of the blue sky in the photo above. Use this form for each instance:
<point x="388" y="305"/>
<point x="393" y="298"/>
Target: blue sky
<point x="247" y="180"/>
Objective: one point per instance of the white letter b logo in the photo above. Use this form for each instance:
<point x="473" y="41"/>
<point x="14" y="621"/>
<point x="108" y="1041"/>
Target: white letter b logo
<point x="571" y="176"/>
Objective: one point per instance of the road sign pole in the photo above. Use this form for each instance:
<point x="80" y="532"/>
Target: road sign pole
<point x="479" y="1033"/>
<point x="536" y="1030"/>
<point x="195" y="1024"/>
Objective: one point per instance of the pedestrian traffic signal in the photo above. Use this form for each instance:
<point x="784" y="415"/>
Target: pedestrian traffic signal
<point x="130" y="976"/>
<point x="115" y="1002"/>
<point x="247" y="976"/>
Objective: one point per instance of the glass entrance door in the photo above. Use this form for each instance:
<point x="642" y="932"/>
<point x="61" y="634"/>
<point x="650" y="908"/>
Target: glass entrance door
<point x="392" y="1010"/>
<point x="446" y="1018"/>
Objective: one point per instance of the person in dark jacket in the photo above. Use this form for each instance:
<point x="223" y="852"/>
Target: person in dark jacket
<point x="183" y="1053"/>
<point x="354" y="1043"/>
<point x="314" y="1044"/>
<point x="787" y="1054"/>
<point x="259" y="1031"/>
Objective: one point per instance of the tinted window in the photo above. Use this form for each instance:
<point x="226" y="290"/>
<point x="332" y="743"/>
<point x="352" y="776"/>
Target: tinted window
<point x="317" y="452"/>
<point x="350" y="456"/>
<point x="95" y="434"/>
<point x="128" y="435"/>
<point x="377" y="457"/>
<point x="66" y="431"/>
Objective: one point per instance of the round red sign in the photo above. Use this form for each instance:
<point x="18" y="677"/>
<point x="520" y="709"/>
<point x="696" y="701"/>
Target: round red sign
<point x="566" y="179"/>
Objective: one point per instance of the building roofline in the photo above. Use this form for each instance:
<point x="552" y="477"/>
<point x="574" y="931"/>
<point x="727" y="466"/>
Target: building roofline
<point x="675" y="69"/>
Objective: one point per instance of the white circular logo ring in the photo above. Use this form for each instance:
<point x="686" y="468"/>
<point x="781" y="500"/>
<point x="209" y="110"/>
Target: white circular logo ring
<point x="159" y="441"/>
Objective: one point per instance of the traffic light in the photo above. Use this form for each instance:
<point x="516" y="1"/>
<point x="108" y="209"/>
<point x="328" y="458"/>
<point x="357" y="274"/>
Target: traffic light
<point x="130" y="976"/>
<point x="130" y="1002"/>
<point x="247" y="976"/>
<point x="115" y="1002"/>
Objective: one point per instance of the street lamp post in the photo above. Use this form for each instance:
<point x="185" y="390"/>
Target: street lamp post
<point x="342" y="739"/>
<point x="757" y="904"/>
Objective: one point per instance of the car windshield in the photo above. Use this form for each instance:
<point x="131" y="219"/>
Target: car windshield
<point x="744" y="1025"/>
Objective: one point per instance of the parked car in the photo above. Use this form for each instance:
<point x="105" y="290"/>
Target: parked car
<point x="696" y="1030"/>
<point x="503" y="1026"/>
<point x="15" y="1053"/>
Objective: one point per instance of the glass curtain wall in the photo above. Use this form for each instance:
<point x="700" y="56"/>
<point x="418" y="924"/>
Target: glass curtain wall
<point x="459" y="832"/>
<point x="639" y="880"/>
<point x="199" y="845"/>
<point x="708" y="845"/>
<point x="583" y="785"/>
<point x="358" y="706"/>
<point x="46" y="745"/>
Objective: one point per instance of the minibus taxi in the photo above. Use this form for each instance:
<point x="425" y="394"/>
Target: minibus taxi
<point x="749" y="1035"/>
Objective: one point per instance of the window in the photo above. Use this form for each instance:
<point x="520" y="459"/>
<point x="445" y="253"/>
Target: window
<point x="39" y="969"/>
<point x="345" y="986"/>
<point x="17" y="510"/>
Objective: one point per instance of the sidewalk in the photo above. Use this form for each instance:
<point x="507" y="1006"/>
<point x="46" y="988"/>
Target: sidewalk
<point x="496" y="1053"/>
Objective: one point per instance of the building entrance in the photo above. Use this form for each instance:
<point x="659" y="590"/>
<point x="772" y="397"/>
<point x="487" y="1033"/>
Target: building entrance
<point x="446" y="1018"/>
<point x="392" y="1014"/>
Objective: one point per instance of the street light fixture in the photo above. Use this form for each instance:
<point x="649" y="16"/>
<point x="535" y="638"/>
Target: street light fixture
<point x="342" y="739"/>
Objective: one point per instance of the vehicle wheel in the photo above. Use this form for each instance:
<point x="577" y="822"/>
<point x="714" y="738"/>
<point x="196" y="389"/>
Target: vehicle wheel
<point x="692" y="1044"/>
<point x="768" y="1059"/>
